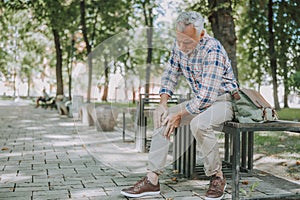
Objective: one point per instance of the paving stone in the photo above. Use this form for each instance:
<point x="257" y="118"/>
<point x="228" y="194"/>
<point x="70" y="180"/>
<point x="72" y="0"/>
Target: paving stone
<point x="111" y="197"/>
<point x="87" y="192"/>
<point x="31" y="188"/>
<point x="16" y="195"/>
<point x="173" y="194"/>
<point x="66" y="186"/>
<point x="188" y="198"/>
<point x="7" y="188"/>
<point x="55" y="194"/>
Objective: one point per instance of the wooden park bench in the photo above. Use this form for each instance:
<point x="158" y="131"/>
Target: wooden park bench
<point x="239" y="142"/>
<point x="48" y="103"/>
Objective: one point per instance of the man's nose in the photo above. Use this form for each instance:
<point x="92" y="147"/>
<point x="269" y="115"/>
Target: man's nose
<point x="180" y="44"/>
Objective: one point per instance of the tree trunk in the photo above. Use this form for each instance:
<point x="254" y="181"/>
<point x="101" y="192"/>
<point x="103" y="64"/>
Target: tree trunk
<point x="297" y="63"/>
<point x="88" y="48"/>
<point x="286" y="86"/>
<point x="59" y="80"/>
<point x="106" y="72"/>
<point x="70" y="66"/>
<point x="28" y="83"/>
<point x="133" y="95"/>
<point x="14" y="83"/>
<point x="272" y="54"/>
<point x="105" y="93"/>
<point x="70" y="84"/>
<point x="149" y="23"/>
<point x="223" y="27"/>
<point x="149" y="59"/>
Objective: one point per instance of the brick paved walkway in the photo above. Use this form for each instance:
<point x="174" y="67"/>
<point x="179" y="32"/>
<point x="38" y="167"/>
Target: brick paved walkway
<point x="42" y="156"/>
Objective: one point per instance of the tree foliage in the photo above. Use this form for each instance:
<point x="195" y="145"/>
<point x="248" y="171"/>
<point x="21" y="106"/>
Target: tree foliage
<point x="38" y="34"/>
<point x="25" y="46"/>
<point x="254" y="43"/>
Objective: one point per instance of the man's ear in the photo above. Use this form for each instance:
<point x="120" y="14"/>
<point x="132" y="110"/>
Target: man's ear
<point x="202" y="34"/>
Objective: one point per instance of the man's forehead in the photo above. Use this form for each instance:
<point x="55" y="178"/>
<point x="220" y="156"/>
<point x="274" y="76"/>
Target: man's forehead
<point x="187" y="32"/>
<point x="181" y="35"/>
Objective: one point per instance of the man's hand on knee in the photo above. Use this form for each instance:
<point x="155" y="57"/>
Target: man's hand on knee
<point x="171" y="123"/>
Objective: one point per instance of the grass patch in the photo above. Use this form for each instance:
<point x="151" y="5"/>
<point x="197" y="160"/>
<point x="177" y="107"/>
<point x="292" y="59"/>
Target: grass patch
<point x="272" y="143"/>
<point x="291" y="114"/>
<point x="117" y="104"/>
<point x="7" y="98"/>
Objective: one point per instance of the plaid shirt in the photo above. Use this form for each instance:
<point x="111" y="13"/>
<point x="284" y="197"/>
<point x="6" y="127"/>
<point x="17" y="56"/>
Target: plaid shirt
<point x="207" y="70"/>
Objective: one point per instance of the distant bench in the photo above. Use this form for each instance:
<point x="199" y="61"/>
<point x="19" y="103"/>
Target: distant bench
<point x="48" y="103"/>
<point x="62" y="104"/>
<point x="239" y="142"/>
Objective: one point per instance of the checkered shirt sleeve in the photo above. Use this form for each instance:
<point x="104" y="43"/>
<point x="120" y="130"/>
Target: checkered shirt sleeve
<point x="170" y="75"/>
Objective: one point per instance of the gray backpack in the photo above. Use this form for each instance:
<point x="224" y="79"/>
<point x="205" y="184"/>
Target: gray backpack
<point x="252" y="108"/>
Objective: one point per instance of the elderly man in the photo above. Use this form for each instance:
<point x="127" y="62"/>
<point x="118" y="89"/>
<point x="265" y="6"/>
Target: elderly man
<point x="203" y="61"/>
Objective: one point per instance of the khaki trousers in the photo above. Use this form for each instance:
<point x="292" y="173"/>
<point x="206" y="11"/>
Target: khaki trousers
<point x="202" y="126"/>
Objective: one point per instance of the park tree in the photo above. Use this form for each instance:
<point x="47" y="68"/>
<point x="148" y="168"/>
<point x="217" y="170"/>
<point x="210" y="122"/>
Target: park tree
<point x="9" y="45"/>
<point x="252" y="47"/>
<point x="58" y="16"/>
<point x="272" y="53"/>
<point x="269" y="43"/>
<point x="146" y="14"/>
<point x="4" y="28"/>
<point x="221" y="17"/>
<point x="223" y="27"/>
<point x="100" y="21"/>
<point x="24" y="45"/>
<point x="87" y="44"/>
<point x="288" y="43"/>
<point x="147" y="8"/>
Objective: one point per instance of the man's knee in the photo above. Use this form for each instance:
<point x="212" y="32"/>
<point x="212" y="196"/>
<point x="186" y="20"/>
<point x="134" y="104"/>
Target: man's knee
<point x="198" y="124"/>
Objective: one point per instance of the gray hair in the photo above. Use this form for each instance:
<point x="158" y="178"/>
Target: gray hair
<point x="187" y="18"/>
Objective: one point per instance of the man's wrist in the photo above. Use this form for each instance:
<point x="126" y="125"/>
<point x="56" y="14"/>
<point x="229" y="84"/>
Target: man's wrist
<point x="183" y="113"/>
<point x="164" y="99"/>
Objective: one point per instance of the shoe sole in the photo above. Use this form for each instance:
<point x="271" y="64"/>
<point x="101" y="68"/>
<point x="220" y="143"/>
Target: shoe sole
<point x="218" y="198"/>
<point x="140" y="195"/>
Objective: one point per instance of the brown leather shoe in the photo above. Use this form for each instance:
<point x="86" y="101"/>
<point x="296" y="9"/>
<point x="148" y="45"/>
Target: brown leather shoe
<point x="142" y="188"/>
<point x="216" y="188"/>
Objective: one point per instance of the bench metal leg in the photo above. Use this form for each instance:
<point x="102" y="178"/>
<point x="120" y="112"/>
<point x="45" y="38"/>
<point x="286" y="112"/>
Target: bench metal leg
<point x="141" y="135"/>
<point x="183" y="150"/>
<point x="178" y="150"/>
<point x="231" y="148"/>
<point x="226" y="147"/>
<point x="124" y="126"/>
<point x="244" y="149"/>
<point x="187" y="151"/>
<point x="236" y="165"/>
<point x="175" y="152"/>
<point x="250" y="149"/>
<point x="193" y="154"/>
<point x="190" y="152"/>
